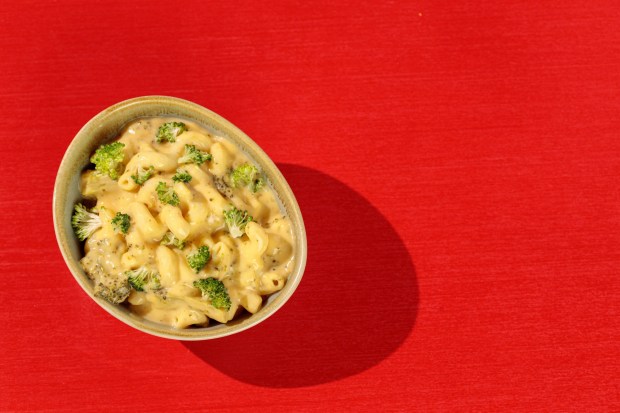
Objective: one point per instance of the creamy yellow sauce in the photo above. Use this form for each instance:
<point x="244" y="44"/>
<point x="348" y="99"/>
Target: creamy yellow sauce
<point x="251" y="266"/>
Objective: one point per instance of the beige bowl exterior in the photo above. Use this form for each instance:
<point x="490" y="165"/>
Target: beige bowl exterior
<point x="104" y="127"/>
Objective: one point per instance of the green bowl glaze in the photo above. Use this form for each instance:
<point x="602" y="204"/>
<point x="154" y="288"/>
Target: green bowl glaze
<point x="104" y="127"/>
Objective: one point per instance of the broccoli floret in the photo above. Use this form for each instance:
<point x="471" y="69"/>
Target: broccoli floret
<point x="243" y="174"/>
<point x="166" y="194"/>
<point x="142" y="175"/>
<point x="113" y="290"/>
<point x="169" y="131"/>
<point x="257" y="185"/>
<point x="193" y="155"/>
<point x="170" y="240"/>
<point x="121" y="222"/>
<point x="198" y="259"/>
<point x="108" y="159"/>
<point x="215" y="291"/>
<point x="84" y="223"/>
<point x="181" y="176"/>
<point x="247" y="174"/>
<point x="236" y="220"/>
<point x="142" y="279"/>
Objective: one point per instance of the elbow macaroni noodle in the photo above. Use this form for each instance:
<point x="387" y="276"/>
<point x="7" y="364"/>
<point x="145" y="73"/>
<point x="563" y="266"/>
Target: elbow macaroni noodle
<point x="251" y="266"/>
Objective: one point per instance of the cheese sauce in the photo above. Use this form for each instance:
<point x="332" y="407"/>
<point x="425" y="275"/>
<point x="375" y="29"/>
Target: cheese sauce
<point x="250" y="266"/>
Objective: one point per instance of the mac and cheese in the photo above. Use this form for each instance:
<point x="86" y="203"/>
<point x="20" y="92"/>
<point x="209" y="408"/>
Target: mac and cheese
<point x="183" y="227"/>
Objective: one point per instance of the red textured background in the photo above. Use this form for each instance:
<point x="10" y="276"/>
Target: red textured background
<point x="456" y="163"/>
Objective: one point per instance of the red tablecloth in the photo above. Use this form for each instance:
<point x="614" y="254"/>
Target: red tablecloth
<point x="456" y="163"/>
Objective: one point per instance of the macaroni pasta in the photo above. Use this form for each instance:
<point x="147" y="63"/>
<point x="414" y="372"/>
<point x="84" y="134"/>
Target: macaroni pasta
<point x="204" y="237"/>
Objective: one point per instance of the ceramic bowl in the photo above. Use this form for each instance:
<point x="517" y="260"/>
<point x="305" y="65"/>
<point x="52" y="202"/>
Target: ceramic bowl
<point x="103" y="128"/>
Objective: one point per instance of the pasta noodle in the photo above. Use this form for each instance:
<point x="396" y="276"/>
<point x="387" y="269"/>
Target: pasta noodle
<point x="183" y="226"/>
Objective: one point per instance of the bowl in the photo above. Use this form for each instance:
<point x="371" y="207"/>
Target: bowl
<point x="103" y="128"/>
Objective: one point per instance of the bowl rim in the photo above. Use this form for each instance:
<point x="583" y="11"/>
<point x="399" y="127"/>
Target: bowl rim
<point x="232" y="133"/>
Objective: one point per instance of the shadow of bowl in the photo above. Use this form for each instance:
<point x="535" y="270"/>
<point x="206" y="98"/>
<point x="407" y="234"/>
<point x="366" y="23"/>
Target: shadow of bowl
<point x="357" y="303"/>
